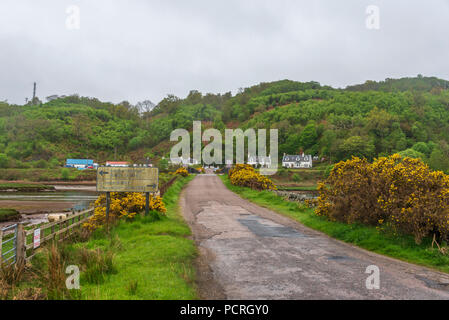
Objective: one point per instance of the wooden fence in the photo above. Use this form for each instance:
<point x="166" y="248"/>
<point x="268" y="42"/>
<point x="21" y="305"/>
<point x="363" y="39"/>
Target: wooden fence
<point x="25" y="244"/>
<point x="21" y="243"/>
<point x="167" y="185"/>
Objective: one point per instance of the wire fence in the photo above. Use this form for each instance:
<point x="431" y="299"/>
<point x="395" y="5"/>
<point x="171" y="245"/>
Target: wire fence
<point x="8" y="244"/>
<point x="18" y="244"/>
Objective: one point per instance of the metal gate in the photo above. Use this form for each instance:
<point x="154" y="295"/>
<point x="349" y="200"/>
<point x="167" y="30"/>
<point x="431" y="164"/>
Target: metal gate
<point x="8" y="245"/>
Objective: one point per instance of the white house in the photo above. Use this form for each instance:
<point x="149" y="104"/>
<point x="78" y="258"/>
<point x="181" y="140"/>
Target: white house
<point x="184" y="162"/>
<point x="259" y="160"/>
<point x="297" y="161"/>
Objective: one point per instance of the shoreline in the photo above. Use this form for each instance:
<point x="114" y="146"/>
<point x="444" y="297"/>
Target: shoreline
<point x="56" y="182"/>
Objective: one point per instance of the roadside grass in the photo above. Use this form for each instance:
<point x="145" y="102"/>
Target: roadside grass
<point x="149" y="257"/>
<point x="402" y="247"/>
<point x="153" y="258"/>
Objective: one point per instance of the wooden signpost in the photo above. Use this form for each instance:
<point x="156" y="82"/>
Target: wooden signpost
<point x="115" y="179"/>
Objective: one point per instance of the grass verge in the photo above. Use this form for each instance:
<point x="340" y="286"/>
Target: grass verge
<point x="153" y="259"/>
<point x="401" y="247"/>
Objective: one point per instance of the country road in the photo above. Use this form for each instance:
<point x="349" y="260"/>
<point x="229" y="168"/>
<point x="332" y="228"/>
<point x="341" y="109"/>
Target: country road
<point x="249" y="252"/>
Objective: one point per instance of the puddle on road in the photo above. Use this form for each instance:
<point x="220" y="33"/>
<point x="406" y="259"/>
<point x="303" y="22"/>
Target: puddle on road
<point x="340" y="258"/>
<point x="433" y="284"/>
<point x="266" y="228"/>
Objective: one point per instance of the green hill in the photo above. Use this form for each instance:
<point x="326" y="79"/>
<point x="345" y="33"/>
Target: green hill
<point x="409" y="115"/>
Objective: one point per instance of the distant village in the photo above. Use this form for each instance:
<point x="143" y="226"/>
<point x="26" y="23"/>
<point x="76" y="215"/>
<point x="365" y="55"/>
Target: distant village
<point x="299" y="161"/>
<point x="83" y="164"/>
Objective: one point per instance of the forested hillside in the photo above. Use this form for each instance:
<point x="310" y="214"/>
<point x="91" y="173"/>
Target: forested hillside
<point x="409" y="115"/>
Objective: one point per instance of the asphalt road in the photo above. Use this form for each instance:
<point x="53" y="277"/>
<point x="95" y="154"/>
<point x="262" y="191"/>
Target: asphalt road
<point x="249" y="252"/>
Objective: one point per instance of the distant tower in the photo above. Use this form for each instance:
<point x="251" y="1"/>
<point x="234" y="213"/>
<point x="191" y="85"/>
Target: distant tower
<point x="34" y="92"/>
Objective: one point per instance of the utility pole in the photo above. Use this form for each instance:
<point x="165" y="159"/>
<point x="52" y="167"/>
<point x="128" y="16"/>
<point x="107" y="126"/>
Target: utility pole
<point x="34" y="93"/>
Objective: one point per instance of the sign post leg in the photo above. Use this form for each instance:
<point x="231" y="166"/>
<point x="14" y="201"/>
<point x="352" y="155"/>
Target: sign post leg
<point x="147" y="203"/>
<point x="108" y="203"/>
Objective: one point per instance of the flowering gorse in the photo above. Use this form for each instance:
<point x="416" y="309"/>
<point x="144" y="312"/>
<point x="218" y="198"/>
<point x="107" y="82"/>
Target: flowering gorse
<point x="182" y="172"/>
<point x="244" y="175"/>
<point x="123" y="205"/>
<point x="402" y="193"/>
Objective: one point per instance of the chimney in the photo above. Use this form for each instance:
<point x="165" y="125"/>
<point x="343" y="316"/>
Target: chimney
<point x="34" y="92"/>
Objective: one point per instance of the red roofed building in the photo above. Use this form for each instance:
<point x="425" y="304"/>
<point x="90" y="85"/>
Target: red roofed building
<point x="117" y="164"/>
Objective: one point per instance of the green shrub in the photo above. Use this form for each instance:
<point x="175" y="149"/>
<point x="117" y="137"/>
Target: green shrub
<point x="296" y="178"/>
<point x="42" y="164"/>
<point x="65" y="174"/>
<point x="4" y="160"/>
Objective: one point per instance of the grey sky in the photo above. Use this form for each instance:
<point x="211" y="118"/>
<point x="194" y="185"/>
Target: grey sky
<point x="135" y="49"/>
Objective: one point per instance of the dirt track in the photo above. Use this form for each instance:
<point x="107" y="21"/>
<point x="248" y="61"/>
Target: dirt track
<point x="248" y="252"/>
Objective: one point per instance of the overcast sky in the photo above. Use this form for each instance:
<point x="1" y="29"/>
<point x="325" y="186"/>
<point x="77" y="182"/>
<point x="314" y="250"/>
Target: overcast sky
<point x="135" y="49"/>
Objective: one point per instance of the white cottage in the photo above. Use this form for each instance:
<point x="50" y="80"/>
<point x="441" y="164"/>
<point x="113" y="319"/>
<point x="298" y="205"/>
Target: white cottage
<point x="297" y="161"/>
<point x="259" y="161"/>
<point x="184" y="162"/>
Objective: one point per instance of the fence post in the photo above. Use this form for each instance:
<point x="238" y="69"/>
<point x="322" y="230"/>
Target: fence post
<point x="108" y="203"/>
<point x="147" y="203"/>
<point x="1" y="244"/>
<point x="20" y="249"/>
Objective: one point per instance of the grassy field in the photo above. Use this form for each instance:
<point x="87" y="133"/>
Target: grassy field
<point x="56" y="174"/>
<point x="298" y="179"/>
<point x="147" y="258"/>
<point x="8" y="214"/>
<point x="24" y="187"/>
<point x="367" y="237"/>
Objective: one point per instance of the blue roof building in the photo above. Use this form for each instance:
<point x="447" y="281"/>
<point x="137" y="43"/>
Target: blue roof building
<point x="79" y="162"/>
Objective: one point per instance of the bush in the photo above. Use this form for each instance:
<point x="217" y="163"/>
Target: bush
<point x="296" y="178"/>
<point x="328" y="171"/>
<point x="182" y="171"/>
<point x="402" y="193"/>
<point x="53" y="163"/>
<point x="244" y="175"/>
<point x="65" y="174"/>
<point x="41" y="164"/>
<point x="123" y="205"/>
<point x="4" y="161"/>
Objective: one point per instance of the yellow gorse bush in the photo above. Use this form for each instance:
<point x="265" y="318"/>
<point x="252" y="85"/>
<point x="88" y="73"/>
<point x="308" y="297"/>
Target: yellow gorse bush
<point x="123" y="205"/>
<point x="244" y="175"/>
<point x="403" y="193"/>
<point x="182" y="171"/>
